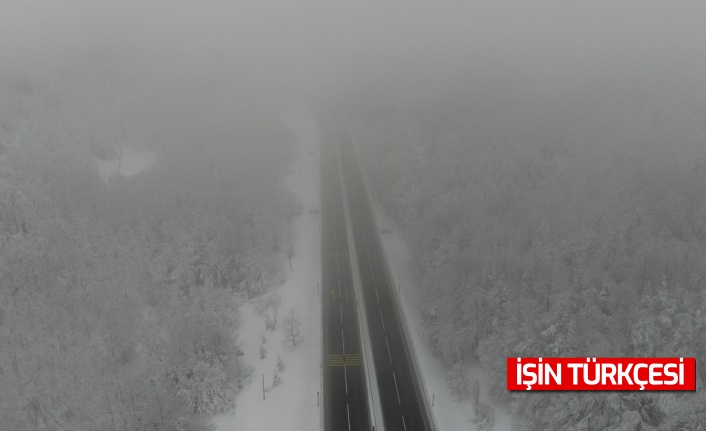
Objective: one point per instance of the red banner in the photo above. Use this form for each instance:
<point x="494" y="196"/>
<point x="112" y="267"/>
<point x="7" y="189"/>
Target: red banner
<point x="601" y="374"/>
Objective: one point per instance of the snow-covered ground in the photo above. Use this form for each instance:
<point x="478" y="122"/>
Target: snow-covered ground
<point x="294" y="404"/>
<point x="449" y="414"/>
<point x="130" y="162"/>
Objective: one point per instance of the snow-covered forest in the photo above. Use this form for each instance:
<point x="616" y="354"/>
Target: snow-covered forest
<point x="119" y="297"/>
<point x="543" y="163"/>
<point x="553" y="217"/>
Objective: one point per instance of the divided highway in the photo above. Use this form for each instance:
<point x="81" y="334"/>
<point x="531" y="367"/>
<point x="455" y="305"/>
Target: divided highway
<point x="345" y="396"/>
<point x="401" y="397"/>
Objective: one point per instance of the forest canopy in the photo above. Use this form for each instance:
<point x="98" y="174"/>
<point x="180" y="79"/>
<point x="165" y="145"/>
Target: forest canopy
<point x="118" y="299"/>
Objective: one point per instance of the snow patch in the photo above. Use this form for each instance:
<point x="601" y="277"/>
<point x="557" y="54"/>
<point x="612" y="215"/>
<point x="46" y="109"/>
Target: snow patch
<point x="130" y="162"/>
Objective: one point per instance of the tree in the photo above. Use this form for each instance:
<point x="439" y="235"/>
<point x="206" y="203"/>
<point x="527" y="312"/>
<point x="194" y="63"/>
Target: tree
<point x="274" y="301"/>
<point x="204" y="388"/>
<point x="290" y="253"/>
<point x="276" y="379"/>
<point x="291" y="328"/>
<point x="263" y="351"/>
<point x="483" y="417"/>
<point x="269" y="306"/>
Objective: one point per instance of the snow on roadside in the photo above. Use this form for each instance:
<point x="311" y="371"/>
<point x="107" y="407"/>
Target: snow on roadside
<point x="449" y="413"/>
<point x="293" y="405"/>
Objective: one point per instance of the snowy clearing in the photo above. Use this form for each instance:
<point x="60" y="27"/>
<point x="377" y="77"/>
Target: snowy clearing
<point x="130" y="162"/>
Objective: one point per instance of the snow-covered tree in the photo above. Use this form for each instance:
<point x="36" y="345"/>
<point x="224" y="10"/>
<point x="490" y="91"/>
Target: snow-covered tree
<point x="276" y="379"/>
<point x="291" y="328"/>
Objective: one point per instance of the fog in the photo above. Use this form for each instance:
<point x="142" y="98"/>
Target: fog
<point x="542" y="162"/>
<point x="310" y="48"/>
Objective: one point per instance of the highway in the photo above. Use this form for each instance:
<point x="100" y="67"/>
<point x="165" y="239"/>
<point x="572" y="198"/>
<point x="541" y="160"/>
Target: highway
<point x="345" y="395"/>
<point x="401" y="398"/>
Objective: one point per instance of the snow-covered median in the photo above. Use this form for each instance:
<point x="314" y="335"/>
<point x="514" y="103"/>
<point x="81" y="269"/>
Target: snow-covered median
<point x="292" y="403"/>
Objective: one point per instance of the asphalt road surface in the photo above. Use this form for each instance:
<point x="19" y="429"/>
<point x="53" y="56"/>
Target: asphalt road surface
<point x="345" y="396"/>
<point x="401" y="398"/>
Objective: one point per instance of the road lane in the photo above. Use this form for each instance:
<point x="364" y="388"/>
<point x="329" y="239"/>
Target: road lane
<point x="402" y="401"/>
<point x="345" y="392"/>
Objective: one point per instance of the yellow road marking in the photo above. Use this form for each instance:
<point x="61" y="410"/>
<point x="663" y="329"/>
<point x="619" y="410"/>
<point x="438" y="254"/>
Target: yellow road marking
<point x="347" y="360"/>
